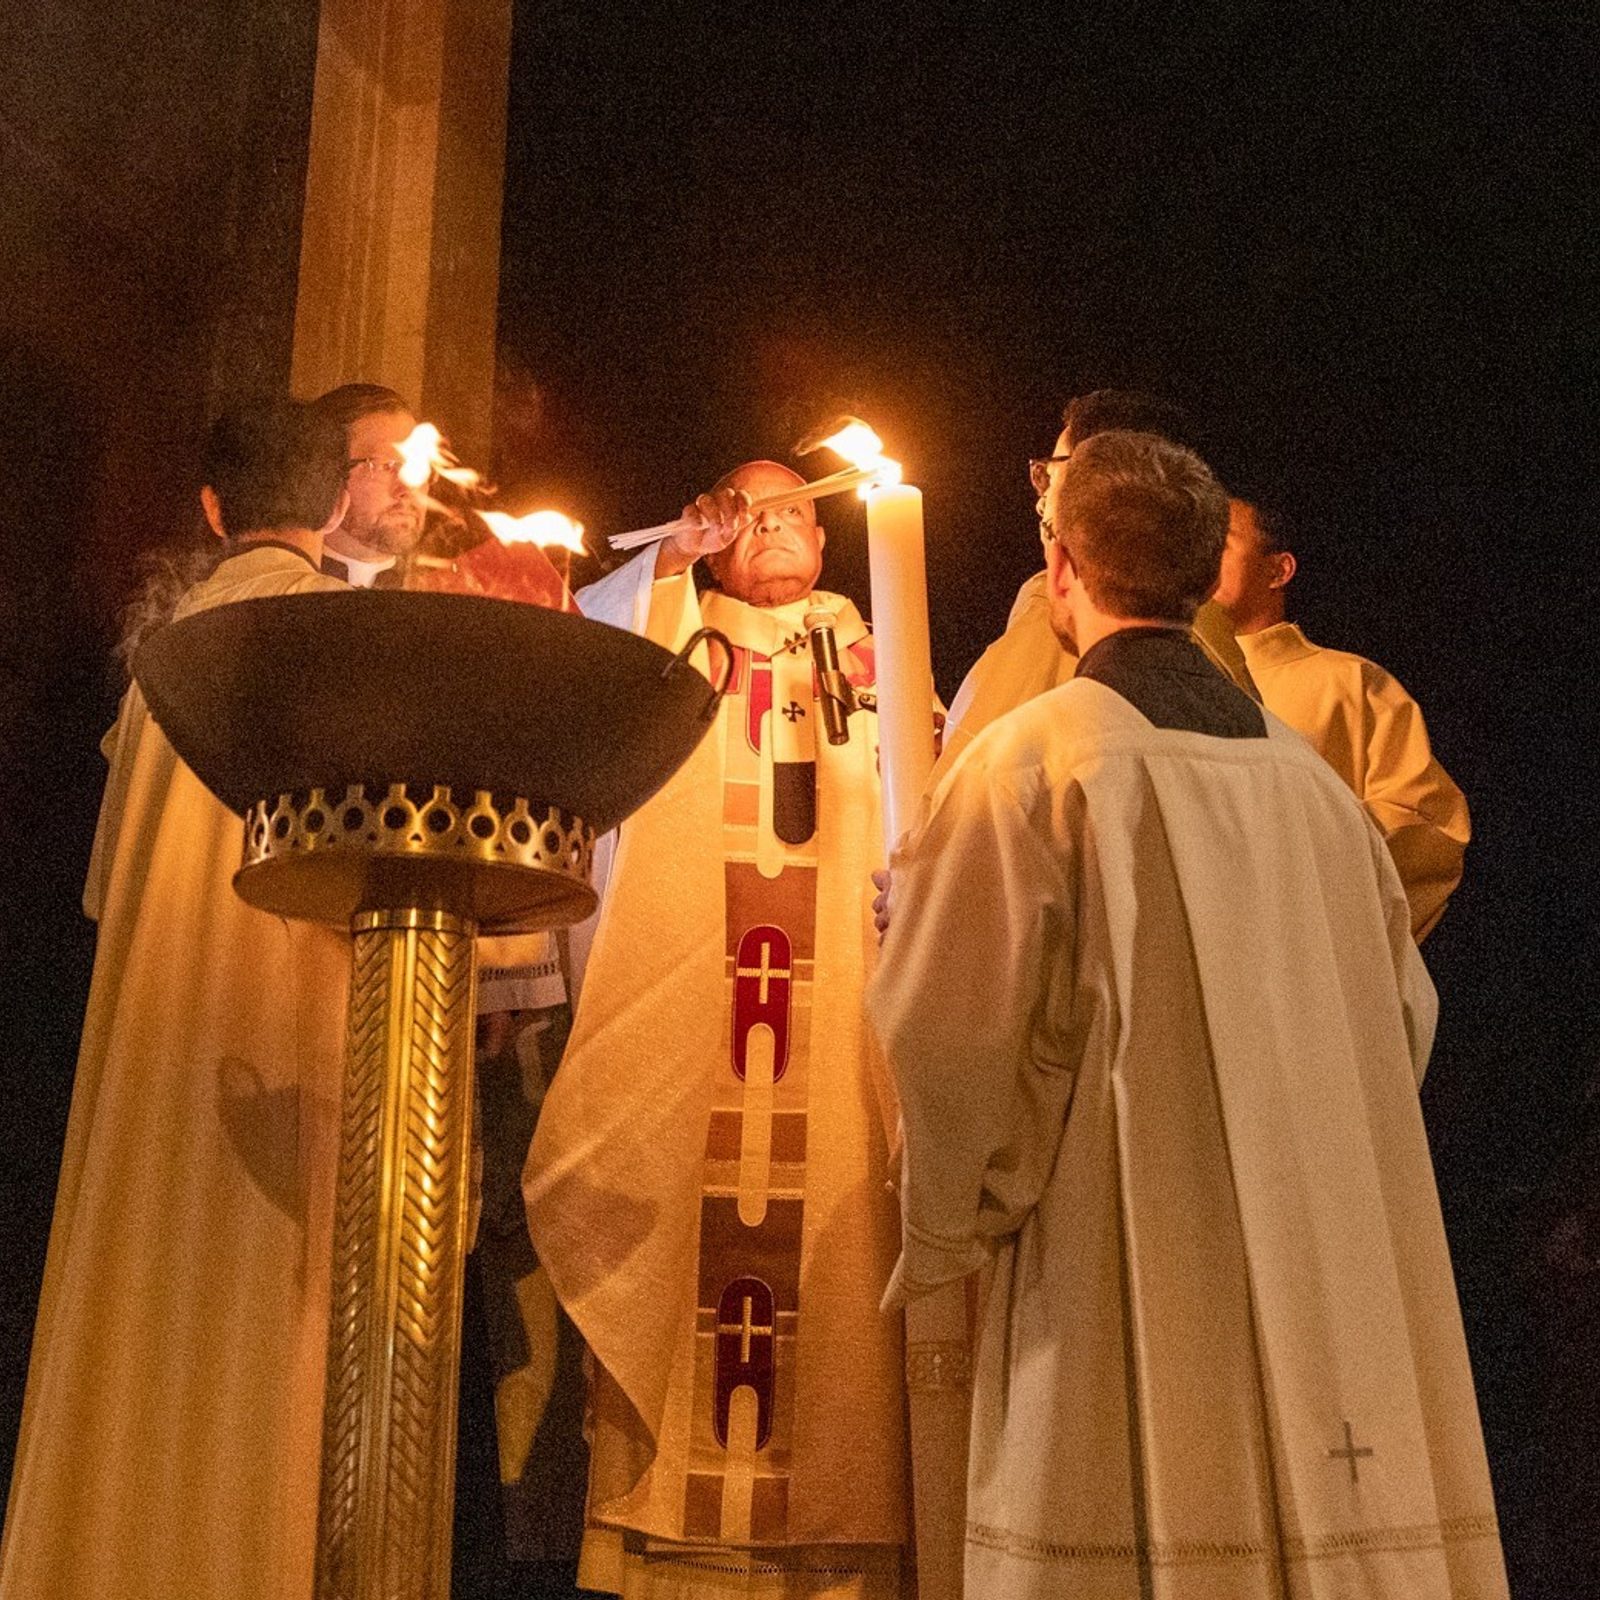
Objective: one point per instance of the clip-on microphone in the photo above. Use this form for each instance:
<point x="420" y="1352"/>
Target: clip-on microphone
<point x="835" y="697"/>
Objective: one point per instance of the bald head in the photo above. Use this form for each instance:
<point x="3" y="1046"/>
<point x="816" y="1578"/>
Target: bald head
<point x="778" y="558"/>
<point x="759" y="477"/>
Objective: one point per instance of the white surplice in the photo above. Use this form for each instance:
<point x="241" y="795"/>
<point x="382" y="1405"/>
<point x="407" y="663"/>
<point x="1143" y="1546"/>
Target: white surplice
<point x="1158" y="1021"/>
<point x="172" y="1426"/>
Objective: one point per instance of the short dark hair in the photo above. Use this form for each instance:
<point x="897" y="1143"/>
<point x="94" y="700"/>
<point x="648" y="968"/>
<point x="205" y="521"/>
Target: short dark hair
<point x="1273" y="524"/>
<point x="350" y="402"/>
<point x="274" y="464"/>
<point x="1125" y="411"/>
<point x="1144" y="522"/>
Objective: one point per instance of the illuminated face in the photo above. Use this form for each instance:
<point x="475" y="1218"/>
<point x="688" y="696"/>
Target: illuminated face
<point x="778" y="558"/>
<point x="1250" y="571"/>
<point x="385" y="516"/>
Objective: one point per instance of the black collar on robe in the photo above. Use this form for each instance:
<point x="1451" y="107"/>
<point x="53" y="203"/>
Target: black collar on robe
<point x="1163" y="674"/>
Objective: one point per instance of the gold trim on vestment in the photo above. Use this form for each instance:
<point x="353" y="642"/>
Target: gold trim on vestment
<point x="1174" y="1553"/>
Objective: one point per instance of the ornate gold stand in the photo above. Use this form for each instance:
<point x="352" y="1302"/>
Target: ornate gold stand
<point x="433" y="865"/>
<point x="276" y="695"/>
<point x="388" y="1451"/>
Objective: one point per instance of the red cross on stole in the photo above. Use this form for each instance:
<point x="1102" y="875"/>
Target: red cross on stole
<point x="762" y="975"/>
<point x="752" y="1219"/>
<point x="758" y="702"/>
<point x="746" y="1330"/>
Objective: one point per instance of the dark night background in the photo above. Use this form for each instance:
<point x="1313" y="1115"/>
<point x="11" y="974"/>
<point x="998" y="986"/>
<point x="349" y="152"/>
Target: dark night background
<point x="1353" y="247"/>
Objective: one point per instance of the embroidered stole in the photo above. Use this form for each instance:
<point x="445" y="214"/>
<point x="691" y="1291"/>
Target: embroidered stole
<point x="752" y="1209"/>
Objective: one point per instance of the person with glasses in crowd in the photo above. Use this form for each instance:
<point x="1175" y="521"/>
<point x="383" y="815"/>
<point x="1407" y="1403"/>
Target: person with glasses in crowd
<point x="523" y="1016"/>
<point x="1026" y="659"/>
<point x="386" y="516"/>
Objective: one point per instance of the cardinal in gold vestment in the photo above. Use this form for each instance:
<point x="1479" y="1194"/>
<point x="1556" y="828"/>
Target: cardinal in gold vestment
<point x="708" y="1186"/>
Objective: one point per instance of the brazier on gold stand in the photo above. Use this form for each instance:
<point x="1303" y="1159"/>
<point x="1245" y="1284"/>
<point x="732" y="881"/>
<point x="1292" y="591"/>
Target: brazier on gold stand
<point x="417" y="768"/>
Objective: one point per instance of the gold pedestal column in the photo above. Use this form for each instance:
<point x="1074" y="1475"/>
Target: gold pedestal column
<point x="389" y="1430"/>
<point x="422" y="867"/>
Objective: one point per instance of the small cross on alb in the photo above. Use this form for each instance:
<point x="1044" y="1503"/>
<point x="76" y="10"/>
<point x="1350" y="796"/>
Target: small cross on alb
<point x="1351" y="1452"/>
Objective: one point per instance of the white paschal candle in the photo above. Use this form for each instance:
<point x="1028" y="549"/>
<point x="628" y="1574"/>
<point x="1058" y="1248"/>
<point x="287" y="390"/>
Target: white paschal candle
<point x="938" y="1362"/>
<point x="900" y="644"/>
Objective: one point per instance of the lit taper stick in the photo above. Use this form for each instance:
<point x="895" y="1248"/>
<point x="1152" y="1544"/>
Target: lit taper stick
<point x="848" y="436"/>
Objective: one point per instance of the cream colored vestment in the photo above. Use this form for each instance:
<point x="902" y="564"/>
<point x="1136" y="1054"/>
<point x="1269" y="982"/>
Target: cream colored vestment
<point x="694" y="1221"/>
<point x="172" y="1425"/>
<point x="1158" y="1022"/>
<point x="1028" y="659"/>
<point x="1371" y="732"/>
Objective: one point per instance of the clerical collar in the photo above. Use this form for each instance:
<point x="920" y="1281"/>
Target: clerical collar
<point x="1164" y="675"/>
<point x="353" y="570"/>
<point x="245" y="549"/>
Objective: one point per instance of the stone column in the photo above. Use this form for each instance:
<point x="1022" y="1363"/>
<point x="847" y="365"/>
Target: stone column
<point x="254" y="284"/>
<point x="400" y="245"/>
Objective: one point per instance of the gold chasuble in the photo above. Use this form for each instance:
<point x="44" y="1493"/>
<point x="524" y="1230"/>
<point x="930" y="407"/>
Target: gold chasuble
<point x="1370" y="731"/>
<point x="708" y="1186"/>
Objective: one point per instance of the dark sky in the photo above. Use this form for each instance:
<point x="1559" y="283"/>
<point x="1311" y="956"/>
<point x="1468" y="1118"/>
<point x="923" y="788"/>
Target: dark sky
<point x="1349" y="247"/>
<point x="1354" y="246"/>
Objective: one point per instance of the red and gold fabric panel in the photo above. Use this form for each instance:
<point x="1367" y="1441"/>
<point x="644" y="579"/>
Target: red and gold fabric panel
<point x="753" y="1196"/>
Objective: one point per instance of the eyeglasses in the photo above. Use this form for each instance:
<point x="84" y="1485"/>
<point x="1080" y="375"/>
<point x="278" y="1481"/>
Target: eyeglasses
<point x="1039" y="472"/>
<point x="375" y="466"/>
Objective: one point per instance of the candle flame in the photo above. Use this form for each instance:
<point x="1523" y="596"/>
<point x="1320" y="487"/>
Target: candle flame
<point x="856" y="442"/>
<point x="851" y="438"/>
<point x="886" y="473"/>
<point x="537" y="527"/>
<point x="863" y="449"/>
<point x="424" y="455"/>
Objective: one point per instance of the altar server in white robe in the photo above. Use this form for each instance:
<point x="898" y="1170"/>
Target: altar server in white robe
<point x="1151" y="999"/>
<point x="1358" y="717"/>
<point x="173" y="1418"/>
